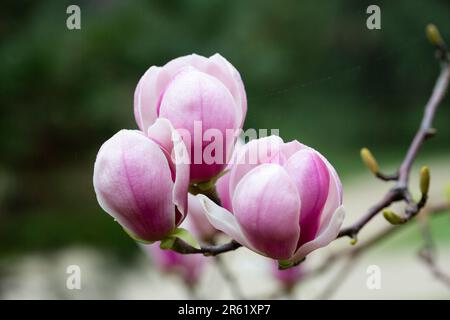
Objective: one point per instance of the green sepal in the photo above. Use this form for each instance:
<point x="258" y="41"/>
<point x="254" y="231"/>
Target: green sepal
<point x="285" y="264"/>
<point x="172" y="241"/>
<point x="201" y="187"/>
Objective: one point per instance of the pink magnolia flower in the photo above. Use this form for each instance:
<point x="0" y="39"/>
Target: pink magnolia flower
<point x="197" y="217"/>
<point x="285" y="203"/>
<point x="194" y="90"/>
<point x="142" y="182"/>
<point x="188" y="266"/>
<point x="199" y="224"/>
<point x="222" y="184"/>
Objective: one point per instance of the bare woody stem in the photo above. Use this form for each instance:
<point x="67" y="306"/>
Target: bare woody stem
<point x="355" y="252"/>
<point x="400" y="191"/>
<point x="207" y="250"/>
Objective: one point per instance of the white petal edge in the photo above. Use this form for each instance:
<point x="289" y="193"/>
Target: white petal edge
<point x="236" y="81"/>
<point x="328" y="234"/>
<point x="161" y="132"/>
<point x="334" y="199"/>
<point x="223" y="220"/>
<point x="146" y="115"/>
<point x="165" y="134"/>
<point x="254" y="150"/>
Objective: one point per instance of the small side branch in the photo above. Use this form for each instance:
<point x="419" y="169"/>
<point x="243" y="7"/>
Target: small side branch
<point x="400" y="191"/>
<point x="208" y="250"/>
<point x="351" y="255"/>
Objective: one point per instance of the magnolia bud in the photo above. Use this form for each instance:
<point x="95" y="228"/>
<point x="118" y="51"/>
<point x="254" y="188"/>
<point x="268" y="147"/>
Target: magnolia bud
<point x="392" y="217"/>
<point x="434" y="36"/>
<point x="201" y="97"/>
<point x="424" y="180"/>
<point x="369" y="160"/>
<point x="286" y="202"/>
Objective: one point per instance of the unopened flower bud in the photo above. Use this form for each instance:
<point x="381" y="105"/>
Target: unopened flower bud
<point x="434" y="36"/>
<point x="369" y="160"/>
<point x="424" y="180"/>
<point x="392" y="217"/>
<point x="285" y="204"/>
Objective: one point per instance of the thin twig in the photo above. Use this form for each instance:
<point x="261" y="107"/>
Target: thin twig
<point x="400" y="191"/>
<point x="207" y="250"/>
<point x="352" y="254"/>
<point x="387" y="177"/>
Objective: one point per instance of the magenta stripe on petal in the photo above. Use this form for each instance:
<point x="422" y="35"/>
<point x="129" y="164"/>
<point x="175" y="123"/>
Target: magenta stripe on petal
<point x="312" y="179"/>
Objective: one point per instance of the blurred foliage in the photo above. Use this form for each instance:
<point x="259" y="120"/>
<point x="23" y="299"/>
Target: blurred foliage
<point x="311" y="69"/>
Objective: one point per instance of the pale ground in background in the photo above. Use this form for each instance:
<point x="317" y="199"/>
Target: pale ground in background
<point x="403" y="275"/>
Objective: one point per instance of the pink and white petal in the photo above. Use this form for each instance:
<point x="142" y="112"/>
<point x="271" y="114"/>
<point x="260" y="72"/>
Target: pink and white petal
<point x="147" y="96"/>
<point x="223" y="191"/>
<point x="290" y="148"/>
<point x="173" y="67"/>
<point x="220" y="68"/>
<point x="132" y="183"/>
<point x="196" y="96"/>
<point x="223" y="183"/>
<point x="334" y="200"/>
<point x="267" y="207"/>
<point x="163" y="133"/>
<point x="252" y="154"/>
<point x="335" y="194"/>
<point x="153" y="84"/>
<point x="327" y="235"/>
<point x="194" y="99"/>
<point x="182" y="164"/>
<point x="224" y="221"/>
<point x="223" y="70"/>
<point x="312" y="179"/>
<point x="196" y="220"/>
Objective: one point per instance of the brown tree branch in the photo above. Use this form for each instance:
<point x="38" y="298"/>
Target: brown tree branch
<point x="400" y="191"/>
<point x="207" y="250"/>
<point x="428" y="252"/>
<point x="351" y="255"/>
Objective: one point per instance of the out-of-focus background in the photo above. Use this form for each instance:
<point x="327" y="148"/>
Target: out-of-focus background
<point x="311" y="69"/>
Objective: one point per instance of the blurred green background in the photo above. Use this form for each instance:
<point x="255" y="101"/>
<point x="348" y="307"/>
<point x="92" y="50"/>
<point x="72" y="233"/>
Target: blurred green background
<point x="311" y="69"/>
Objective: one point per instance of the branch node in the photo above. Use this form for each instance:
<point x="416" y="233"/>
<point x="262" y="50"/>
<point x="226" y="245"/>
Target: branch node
<point x="430" y="133"/>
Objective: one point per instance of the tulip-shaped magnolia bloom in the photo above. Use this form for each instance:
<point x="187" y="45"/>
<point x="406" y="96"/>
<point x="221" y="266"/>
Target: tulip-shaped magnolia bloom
<point x="286" y="200"/>
<point x="142" y="182"/>
<point x="203" y="96"/>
